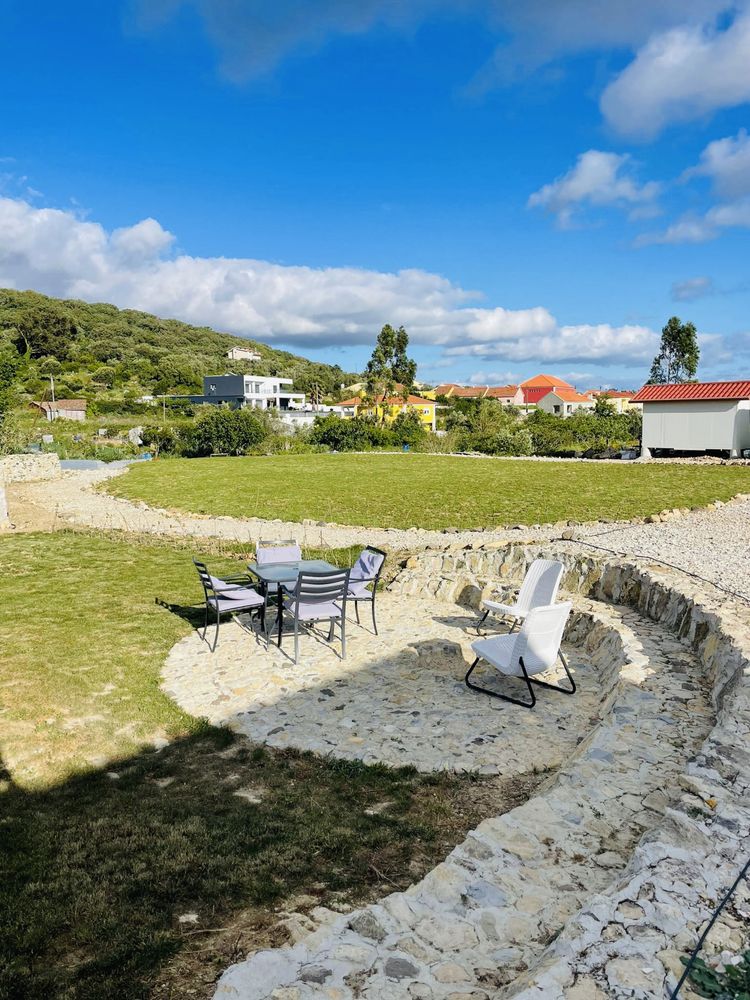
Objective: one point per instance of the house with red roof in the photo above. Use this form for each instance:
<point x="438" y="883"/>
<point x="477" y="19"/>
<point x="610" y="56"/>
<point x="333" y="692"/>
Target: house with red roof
<point x="565" y="402"/>
<point x="696" y="416"/>
<point x="536" y="388"/>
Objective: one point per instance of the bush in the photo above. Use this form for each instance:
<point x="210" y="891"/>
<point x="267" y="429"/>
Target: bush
<point x="340" y="434"/>
<point x="221" y="431"/>
<point x="162" y="440"/>
<point x="407" y="428"/>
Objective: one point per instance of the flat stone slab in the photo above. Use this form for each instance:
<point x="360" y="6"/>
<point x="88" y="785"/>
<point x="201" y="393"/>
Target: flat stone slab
<point x="398" y="698"/>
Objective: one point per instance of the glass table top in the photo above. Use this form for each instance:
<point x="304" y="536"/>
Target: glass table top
<point x="283" y="572"/>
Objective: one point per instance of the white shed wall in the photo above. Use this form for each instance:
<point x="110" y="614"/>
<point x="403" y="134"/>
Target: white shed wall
<point x="697" y="425"/>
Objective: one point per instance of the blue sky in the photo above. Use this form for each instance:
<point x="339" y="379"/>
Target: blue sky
<point x="524" y="187"/>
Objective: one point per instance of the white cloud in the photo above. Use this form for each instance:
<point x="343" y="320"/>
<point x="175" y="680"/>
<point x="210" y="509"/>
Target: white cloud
<point x="727" y="163"/>
<point x="692" y="288"/>
<point x="58" y="253"/>
<point x="701" y="229"/>
<point x="599" y="179"/>
<point x="679" y="75"/>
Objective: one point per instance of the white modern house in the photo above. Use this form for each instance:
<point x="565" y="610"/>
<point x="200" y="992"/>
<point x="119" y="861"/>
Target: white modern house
<point x="258" y="391"/>
<point x="696" y="416"/>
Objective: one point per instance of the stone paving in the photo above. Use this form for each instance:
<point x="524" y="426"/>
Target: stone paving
<point x="618" y="861"/>
<point x="398" y="698"/>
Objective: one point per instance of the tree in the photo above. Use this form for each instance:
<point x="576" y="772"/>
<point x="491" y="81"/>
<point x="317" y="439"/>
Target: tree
<point x="677" y="360"/>
<point x="389" y="366"/>
<point x="604" y="407"/>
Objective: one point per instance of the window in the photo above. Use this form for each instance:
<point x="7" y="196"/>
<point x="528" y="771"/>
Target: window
<point x="556" y="408"/>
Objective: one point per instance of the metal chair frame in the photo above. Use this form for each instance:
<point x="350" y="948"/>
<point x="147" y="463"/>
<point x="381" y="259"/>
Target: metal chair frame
<point x="212" y="595"/>
<point x="318" y="588"/>
<point x="371" y="594"/>
<point x="529" y="681"/>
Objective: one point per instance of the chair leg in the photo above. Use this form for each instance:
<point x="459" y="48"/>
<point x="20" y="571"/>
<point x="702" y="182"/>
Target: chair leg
<point x="296" y="639"/>
<point x="496" y="694"/>
<point x="483" y="619"/>
<point x="343" y="636"/>
<point x="330" y="629"/>
<point x="216" y="636"/>
<point x="205" y="624"/>
<point x="556" y="687"/>
<point x="356" y="610"/>
<point x="374" y="623"/>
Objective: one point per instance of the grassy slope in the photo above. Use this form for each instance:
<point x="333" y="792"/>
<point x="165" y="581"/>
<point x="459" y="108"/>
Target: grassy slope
<point x="95" y="870"/>
<point x="422" y="490"/>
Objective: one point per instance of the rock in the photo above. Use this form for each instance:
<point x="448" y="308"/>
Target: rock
<point x="314" y="974"/>
<point x="568" y="534"/>
<point x="400" y="968"/>
<point x="366" y="923"/>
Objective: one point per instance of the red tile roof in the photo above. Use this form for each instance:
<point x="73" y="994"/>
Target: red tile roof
<point x="501" y="391"/>
<point x="571" y="396"/>
<point x="693" y="390"/>
<point x="540" y="381"/>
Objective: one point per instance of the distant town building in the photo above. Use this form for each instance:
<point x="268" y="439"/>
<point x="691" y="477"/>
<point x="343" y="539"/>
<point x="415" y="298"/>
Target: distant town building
<point x="508" y="395"/>
<point x="63" y="409"/>
<point x="565" y="402"/>
<point x="243" y="354"/>
<point x="696" y="416"/>
<point x="388" y="409"/>
<point x="257" y="391"/>
<point x="620" y="400"/>
<point x="536" y="388"/>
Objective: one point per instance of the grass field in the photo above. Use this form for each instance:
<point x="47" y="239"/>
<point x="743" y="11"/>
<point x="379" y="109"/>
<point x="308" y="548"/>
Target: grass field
<point x="405" y="490"/>
<point x="105" y="839"/>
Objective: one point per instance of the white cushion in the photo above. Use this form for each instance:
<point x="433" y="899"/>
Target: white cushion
<point x="235" y="591"/>
<point x="311" y="610"/>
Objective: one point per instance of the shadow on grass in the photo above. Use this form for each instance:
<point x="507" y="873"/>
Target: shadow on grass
<point x="96" y="872"/>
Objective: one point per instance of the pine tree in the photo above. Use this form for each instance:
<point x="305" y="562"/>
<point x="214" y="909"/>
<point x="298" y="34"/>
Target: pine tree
<point x="390" y="366"/>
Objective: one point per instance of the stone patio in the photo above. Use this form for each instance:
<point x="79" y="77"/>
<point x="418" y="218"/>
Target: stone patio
<point x="397" y="699"/>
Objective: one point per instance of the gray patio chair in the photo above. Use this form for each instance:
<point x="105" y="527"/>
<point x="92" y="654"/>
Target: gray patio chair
<point x="227" y="597"/>
<point x="318" y="597"/>
<point x="539" y="588"/>
<point x="532" y="650"/>
<point x="277" y="551"/>
<point x="363" y="574"/>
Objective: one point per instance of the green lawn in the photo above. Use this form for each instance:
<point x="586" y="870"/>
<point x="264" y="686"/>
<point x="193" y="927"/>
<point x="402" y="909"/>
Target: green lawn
<point x="405" y="490"/>
<point x="105" y="841"/>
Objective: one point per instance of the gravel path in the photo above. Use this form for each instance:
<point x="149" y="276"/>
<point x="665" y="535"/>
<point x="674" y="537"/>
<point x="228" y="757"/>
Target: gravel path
<point x="713" y="543"/>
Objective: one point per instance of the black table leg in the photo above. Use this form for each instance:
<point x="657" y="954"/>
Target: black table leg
<point x="280" y="609"/>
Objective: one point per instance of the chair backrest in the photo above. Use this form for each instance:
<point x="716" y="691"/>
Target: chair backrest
<point x="540" y="585"/>
<point x="369" y="564"/>
<point x="538" y="641"/>
<point x="320" y="588"/>
<point x="205" y="578"/>
<point x="286" y="551"/>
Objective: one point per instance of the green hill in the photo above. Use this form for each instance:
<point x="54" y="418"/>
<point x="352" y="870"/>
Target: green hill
<point x="100" y="352"/>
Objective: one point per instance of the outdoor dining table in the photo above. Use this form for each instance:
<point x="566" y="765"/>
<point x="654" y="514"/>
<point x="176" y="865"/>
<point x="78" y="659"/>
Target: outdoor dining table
<point x="279" y="575"/>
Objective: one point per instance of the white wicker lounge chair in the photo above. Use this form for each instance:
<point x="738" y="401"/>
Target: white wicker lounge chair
<point x="530" y="651"/>
<point x="539" y="588"/>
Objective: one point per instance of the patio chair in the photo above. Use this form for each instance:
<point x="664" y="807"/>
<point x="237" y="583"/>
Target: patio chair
<point x="364" y="572"/>
<point x="318" y="597"/>
<point x="277" y="551"/>
<point x="532" y="650"/>
<point x="227" y="597"/>
<point x="539" y="588"/>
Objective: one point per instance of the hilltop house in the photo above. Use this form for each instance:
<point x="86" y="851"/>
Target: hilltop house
<point x="696" y="416"/>
<point x="565" y="402"/>
<point x="243" y="354"/>
<point x="257" y="391"/>
<point x="389" y="409"/>
<point x="63" y="409"/>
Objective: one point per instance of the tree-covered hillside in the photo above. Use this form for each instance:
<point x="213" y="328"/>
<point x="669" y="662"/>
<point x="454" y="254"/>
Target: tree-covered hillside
<point x="98" y="351"/>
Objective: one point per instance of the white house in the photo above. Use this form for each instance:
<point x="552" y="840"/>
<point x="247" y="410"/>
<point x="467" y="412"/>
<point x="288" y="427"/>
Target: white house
<point x="257" y="391"/>
<point x="565" y="402"/>
<point x="696" y="416"/>
<point x="242" y="354"/>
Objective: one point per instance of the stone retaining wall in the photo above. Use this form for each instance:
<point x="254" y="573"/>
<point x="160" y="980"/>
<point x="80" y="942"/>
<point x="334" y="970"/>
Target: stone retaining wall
<point x="555" y="865"/>
<point x="28" y="468"/>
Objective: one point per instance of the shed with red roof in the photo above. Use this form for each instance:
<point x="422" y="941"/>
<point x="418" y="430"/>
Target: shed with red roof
<point x="696" y="416"/>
